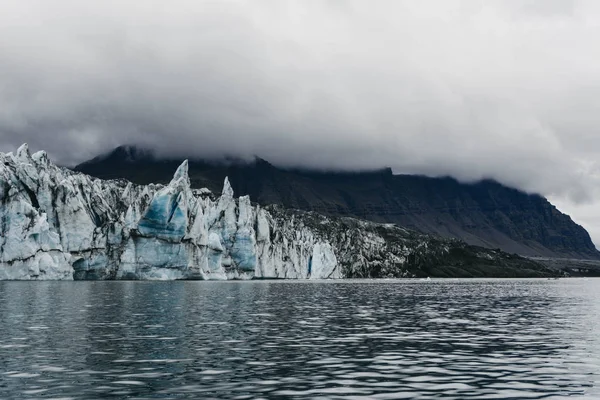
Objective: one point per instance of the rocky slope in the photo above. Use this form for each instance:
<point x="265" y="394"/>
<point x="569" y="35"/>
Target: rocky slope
<point x="60" y="224"/>
<point x="486" y="214"/>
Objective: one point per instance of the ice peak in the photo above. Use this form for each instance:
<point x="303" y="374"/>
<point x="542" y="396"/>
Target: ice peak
<point x="23" y="152"/>
<point x="127" y="191"/>
<point x="181" y="174"/>
<point x="41" y="157"/>
<point x="227" y="190"/>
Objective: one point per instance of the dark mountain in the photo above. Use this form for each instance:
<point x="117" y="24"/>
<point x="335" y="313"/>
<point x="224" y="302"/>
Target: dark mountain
<point x="485" y="213"/>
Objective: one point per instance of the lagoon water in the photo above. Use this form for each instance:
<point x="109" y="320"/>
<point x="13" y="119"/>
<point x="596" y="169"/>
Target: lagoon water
<point x="396" y="339"/>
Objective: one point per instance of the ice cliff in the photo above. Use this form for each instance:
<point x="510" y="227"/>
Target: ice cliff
<point x="60" y="224"/>
<point x="57" y="224"/>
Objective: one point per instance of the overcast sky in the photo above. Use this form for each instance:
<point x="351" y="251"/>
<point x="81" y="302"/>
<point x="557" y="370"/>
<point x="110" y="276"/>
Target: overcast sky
<point x="505" y="89"/>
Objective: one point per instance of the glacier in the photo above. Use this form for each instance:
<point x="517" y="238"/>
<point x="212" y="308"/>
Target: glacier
<point x="59" y="224"/>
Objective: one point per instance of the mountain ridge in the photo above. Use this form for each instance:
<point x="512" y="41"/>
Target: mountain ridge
<point x="484" y="213"/>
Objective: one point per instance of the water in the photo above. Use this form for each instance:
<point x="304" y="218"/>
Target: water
<point x="451" y="339"/>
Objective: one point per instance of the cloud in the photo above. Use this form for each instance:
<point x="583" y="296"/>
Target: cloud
<point x="474" y="89"/>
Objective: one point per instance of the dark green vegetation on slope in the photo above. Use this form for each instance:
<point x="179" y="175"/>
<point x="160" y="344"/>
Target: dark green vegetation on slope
<point x="485" y="214"/>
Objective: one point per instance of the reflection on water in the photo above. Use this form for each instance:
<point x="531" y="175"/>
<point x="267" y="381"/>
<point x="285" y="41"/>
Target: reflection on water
<point x="274" y="339"/>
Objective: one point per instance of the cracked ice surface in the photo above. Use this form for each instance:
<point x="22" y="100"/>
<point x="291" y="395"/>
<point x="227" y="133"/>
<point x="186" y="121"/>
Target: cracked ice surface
<point x="60" y="224"/>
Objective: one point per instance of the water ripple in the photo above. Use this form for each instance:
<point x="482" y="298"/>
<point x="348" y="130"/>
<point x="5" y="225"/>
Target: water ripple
<point x="456" y="339"/>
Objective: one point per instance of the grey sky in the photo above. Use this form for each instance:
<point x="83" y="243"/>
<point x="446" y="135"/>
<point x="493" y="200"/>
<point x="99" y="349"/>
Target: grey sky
<point x="503" y="89"/>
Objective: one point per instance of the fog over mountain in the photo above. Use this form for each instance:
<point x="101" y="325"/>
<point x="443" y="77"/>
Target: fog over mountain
<point x="507" y="90"/>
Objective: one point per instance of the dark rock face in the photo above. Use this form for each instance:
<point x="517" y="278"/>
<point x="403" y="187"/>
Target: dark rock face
<point x="485" y="214"/>
<point x="371" y="250"/>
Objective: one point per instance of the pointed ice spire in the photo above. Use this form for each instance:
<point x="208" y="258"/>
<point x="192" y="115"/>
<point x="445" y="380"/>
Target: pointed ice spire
<point x="227" y="190"/>
<point x="181" y="175"/>
<point x="41" y="157"/>
<point x="23" y="153"/>
<point x="126" y="192"/>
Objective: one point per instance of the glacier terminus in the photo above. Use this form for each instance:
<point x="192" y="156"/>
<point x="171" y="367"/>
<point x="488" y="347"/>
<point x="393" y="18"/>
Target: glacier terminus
<point x="59" y="224"/>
